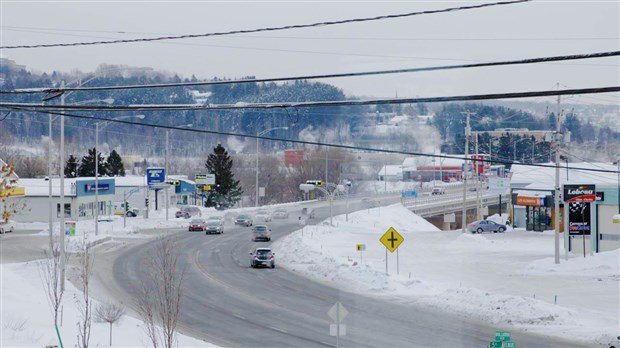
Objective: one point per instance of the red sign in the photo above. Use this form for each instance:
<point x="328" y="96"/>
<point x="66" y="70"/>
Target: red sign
<point x="530" y="201"/>
<point x="478" y="163"/>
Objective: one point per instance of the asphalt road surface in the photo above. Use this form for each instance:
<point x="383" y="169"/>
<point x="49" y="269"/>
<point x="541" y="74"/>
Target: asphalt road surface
<point x="232" y="305"/>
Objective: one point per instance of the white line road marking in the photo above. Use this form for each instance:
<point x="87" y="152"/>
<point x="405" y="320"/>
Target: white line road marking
<point x="277" y="329"/>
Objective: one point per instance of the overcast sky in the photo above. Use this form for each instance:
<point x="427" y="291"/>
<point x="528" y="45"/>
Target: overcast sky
<point x="534" y="29"/>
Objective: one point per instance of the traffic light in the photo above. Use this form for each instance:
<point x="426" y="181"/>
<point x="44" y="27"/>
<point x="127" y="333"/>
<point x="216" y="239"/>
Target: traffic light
<point x="146" y="202"/>
<point x="318" y="183"/>
<point x="173" y="182"/>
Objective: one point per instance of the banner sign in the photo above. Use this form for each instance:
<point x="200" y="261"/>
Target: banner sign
<point x="530" y="201"/>
<point x="205" y="179"/>
<point x="155" y="176"/>
<point x="579" y="219"/>
<point x="579" y="193"/>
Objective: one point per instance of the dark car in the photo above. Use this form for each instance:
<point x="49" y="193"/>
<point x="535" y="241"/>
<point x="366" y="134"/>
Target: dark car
<point x="244" y="220"/>
<point x="486" y="226"/>
<point x="187" y="212"/>
<point x="197" y="225"/>
<point x="262" y="257"/>
<point x="261" y="232"/>
<point x="214" y="226"/>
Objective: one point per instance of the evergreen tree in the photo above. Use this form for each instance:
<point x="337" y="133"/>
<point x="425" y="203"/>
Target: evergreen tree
<point x="87" y="166"/>
<point x="71" y="167"/>
<point x="115" y="164"/>
<point x="226" y="191"/>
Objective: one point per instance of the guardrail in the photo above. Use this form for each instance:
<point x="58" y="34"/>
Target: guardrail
<point x="449" y="203"/>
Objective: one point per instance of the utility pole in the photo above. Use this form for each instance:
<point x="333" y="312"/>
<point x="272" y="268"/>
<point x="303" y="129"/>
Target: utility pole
<point x="96" y="178"/>
<point x="558" y="221"/>
<point x="49" y="177"/>
<point x="478" y="202"/>
<point x="467" y="134"/>
<point x="166" y="177"/>
<point x="62" y="191"/>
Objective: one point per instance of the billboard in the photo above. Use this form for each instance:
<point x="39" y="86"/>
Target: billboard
<point x="579" y="222"/>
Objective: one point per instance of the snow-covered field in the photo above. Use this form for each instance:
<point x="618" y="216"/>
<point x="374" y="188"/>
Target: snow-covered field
<point x="507" y="279"/>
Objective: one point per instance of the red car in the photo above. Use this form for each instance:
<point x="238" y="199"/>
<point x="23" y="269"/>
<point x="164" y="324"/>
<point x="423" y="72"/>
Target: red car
<point x="197" y="225"/>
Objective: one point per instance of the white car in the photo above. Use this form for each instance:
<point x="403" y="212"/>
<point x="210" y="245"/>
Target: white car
<point x="7" y="226"/>
<point x="262" y="216"/>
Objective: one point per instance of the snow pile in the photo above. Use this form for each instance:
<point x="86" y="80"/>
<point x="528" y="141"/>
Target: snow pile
<point x="507" y="279"/>
<point x="26" y="318"/>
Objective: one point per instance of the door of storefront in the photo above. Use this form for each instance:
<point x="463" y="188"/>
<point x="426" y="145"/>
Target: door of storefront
<point x="538" y="219"/>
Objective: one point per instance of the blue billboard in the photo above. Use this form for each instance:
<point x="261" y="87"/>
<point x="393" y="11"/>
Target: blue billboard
<point x="90" y="187"/>
<point x="155" y="176"/>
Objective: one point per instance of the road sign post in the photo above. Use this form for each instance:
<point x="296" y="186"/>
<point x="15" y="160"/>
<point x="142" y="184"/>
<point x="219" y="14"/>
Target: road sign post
<point x="337" y="313"/>
<point x="361" y="248"/>
<point x="391" y="239"/>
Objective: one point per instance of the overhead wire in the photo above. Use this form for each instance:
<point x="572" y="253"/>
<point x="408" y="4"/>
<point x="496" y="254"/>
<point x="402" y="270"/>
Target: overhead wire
<point x="294" y="141"/>
<point x="240" y="105"/>
<point x="324" y="76"/>
<point x="270" y="29"/>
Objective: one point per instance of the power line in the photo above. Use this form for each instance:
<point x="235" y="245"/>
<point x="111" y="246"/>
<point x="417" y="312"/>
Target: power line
<point x="59" y="31"/>
<point x="303" y="142"/>
<point x="268" y="29"/>
<point x="241" y="105"/>
<point x="323" y="76"/>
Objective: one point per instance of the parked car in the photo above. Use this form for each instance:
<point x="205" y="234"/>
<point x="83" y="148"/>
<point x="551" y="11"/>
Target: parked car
<point x="244" y="220"/>
<point x="7" y="226"/>
<point x="438" y="190"/>
<point x="262" y="216"/>
<point x="280" y="214"/>
<point x="486" y="226"/>
<point x="214" y="226"/>
<point x="187" y="211"/>
<point x="197" y="225"/>
<point x="261" y="232"/>
<point x="262" y="257"/>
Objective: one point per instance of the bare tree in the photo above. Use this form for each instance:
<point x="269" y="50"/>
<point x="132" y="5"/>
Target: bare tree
<point x="159" y="301"/>
<point x="109" y="313"/>
<point x="85" y="266"/>
<point x="49" y="272"/>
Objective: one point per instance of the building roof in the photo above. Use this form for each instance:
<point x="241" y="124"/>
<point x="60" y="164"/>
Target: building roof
<point x="544" y="177"/>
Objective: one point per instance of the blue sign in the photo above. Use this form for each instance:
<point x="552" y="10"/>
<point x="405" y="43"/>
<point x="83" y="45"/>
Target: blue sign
<point x="409" y="194"/>
<point x="155" y="176"/>
<point x="93" y="188"/>
<point x="90" y="187"/>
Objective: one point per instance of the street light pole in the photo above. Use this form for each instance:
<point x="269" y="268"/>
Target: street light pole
<point x="166" y="171"/>
<point x="49" y="177"/>
<point x="258" y="134"/>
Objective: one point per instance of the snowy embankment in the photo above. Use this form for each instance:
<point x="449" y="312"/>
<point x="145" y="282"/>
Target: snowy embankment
<point x="26" y="318"/>
<point x="505" y="279"/>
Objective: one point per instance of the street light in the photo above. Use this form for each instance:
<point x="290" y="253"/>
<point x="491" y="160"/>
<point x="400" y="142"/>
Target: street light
<point x="104" y="124"/>
<point x="258" y="134"/>
<point x="166" y="165"/>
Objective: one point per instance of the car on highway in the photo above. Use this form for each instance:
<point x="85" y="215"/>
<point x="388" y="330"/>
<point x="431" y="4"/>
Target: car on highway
<point x="214" y="226"/>
<point x="262" y="257"/>
<point x="7" y="226"/>
<point x="244" y="220"/>
<point x="262" y="216"/>
<point x="438" y="190"/>
<point x="486" y="226"/>
<point x="187" y="211"/>
<point x="280" y="214"/>
<point x="369" y="202"/>
<point x="197" y="225"/>
<point x="261" y="232"/>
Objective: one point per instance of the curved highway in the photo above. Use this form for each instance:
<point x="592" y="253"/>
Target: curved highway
<point x="230" y="304"/>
